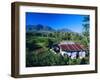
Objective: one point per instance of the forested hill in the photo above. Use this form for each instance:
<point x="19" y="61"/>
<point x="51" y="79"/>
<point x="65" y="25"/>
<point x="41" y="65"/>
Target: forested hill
<point x="43" y="28"/>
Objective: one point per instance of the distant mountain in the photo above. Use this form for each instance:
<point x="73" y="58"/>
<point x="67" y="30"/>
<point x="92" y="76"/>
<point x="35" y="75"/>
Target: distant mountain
<point x="39" y="27"/>
<point x="43" y="28"/>
<point x="65" y="30"/>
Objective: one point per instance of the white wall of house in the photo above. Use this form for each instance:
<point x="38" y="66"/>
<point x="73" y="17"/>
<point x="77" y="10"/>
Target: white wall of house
<point x="82" y="54"/>
<point x="73" y="55"/>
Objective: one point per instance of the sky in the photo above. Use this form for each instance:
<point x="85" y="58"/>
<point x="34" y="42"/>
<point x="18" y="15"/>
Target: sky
<point x="56" y="21"/>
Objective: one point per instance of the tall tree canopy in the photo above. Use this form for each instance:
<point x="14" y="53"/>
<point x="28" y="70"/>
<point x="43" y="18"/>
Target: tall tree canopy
<point x="86" y="27"/>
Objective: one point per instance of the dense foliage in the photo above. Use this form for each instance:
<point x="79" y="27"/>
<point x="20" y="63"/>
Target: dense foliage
<point x="51" y="59"/>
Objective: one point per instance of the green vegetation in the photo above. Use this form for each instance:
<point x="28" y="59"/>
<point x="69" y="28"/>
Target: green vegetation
<point x="45" y="59"/>
<point x="50" y="59"/>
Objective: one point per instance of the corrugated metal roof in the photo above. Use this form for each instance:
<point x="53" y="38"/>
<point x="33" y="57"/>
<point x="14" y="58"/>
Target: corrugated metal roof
<point x="72" y="47"/>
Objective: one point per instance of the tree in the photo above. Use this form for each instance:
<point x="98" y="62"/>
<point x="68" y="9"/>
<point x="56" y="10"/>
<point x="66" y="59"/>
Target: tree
<point x="50" y="43"/>
<point x="86" y="27"/>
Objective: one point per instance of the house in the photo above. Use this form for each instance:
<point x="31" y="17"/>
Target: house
<point x="71" y="49"/>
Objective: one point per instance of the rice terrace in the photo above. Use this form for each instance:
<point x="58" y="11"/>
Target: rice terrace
<point x="57" y="39"/>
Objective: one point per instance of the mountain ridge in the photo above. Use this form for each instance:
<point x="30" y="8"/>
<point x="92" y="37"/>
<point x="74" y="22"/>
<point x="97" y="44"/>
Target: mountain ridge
<point x="42" y="28"/>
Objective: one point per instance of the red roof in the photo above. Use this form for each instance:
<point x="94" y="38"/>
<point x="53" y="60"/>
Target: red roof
<point x="72" y="47"/>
